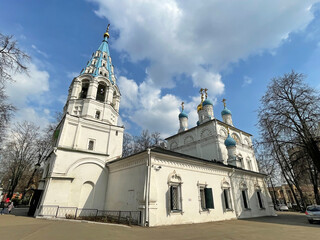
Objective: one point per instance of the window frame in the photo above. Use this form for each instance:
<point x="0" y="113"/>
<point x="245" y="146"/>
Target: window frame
<point x="245" y="199"/>
<point x="93" y="146"/>
<point x="226" y="193"/>
<point x="178" y="209"/>
<point x="175" y="181"/>
<point x="203" y="196"/>
<point x="97" y="114"/>
<point x="260" y="199"/>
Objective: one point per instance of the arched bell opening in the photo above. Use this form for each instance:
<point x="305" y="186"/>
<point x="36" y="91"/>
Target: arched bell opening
<point x="101" y="92"/>
<point x="84" y="89"/>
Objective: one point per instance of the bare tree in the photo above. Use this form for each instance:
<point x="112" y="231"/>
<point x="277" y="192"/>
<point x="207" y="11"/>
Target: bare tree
<point x="12" y="59"/>
<point x="134" y="144"/>
<point x="127" y="145"/>
<point x="293" y="107"/>
<point x="288" y="119"/>
<point x="43" y="148"/>
<point x="6" y="111"/>
<point x="19" y="154"/>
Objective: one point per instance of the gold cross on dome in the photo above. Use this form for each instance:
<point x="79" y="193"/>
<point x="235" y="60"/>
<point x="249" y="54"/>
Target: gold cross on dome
<point x="182" y="106"/>
<point x="205" y="91"/>
<point x="224" y="102"/>
<point x="201" y="92"/>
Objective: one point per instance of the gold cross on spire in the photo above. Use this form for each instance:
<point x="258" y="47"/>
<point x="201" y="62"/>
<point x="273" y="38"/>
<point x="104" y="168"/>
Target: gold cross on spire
<point x="224" y="102"/>
<point x="205" y="91"/>
<point x="201" y="92"/>
<point x="106" y="34"/>
<point x="182" y="106"/>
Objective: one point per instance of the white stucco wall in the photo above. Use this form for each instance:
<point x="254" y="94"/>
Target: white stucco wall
<point x="192" y="174"/>
<point x="75" y="133"/>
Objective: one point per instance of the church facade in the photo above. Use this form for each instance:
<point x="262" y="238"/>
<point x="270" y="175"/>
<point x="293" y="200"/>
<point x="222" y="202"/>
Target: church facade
<point x="206" y="173"/>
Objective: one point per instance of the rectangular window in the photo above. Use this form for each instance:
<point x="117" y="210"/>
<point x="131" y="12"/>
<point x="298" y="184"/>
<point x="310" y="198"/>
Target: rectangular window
<point x="245" y="199"/>
<point x="260" y="199"/>
<point x="206" y="198"/>
<point x="226" y="197"/>
<point x="91" y="145"/>
<point x="175" y="200"/>
<point x="202" y="198"/>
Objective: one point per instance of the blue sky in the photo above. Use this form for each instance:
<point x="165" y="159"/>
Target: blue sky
<point x="163" y="52"/>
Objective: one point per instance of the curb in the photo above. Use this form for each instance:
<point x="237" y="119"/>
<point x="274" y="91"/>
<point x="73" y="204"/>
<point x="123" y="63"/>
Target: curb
<point x="82" y="221"/>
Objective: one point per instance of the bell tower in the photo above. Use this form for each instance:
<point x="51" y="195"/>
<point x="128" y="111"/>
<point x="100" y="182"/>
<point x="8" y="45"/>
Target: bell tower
<point x="92" y="108"/>
<point x="86" y="138"/>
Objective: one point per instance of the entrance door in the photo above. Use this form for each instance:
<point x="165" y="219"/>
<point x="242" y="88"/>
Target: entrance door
<point x="34" y="202"/>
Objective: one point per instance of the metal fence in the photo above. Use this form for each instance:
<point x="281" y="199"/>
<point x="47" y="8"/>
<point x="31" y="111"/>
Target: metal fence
<point x="125" y="217"/>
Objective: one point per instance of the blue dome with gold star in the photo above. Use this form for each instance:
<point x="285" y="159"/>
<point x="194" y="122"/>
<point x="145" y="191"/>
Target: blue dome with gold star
<point x="207" y="102"/>
<point x="183" y="115"/>
<point x="230" y="142"/>
<point x="226" y="111"/>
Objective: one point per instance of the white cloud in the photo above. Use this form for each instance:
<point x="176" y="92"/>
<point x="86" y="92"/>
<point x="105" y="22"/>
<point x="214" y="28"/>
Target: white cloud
<point x="194" y="39"/>
<point x="39" y="51"/>
<point x="185" y="37"/>
<point x="145" y="105"/>
<point x="72" y="75"/>
<point x="129" y="92"/>
<point x="27" y="87"/>
<point x="32" y="115"/>
<point x="27" y="93"/>
<point x="246" y="81"/>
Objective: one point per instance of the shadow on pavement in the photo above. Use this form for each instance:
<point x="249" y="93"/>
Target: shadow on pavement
<point x="288" y="218"/>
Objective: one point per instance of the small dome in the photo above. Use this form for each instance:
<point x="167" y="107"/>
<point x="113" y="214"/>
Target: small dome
<point x="183" y="115"/>
<point x="230" y="142"/>
<point x="207" y="102"/>
<point x="226" y="111"/>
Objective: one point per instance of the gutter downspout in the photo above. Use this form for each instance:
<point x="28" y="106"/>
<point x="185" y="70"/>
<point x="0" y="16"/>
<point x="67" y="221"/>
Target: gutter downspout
<point x="147" y="197"/>
<point x="232" y="191"/>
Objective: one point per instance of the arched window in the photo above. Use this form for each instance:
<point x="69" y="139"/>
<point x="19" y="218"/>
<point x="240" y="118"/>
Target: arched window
<point x="235" y="137"/>
<point x="227" y="203"/>
<point x="244" y="196"/>
<point x="240" y="159"/>
<point x="84" y="89"/>
<point x="175" y="199"/>
<point x="114" y="100"/>
<point x="249" y="163"/>
<point x="97" y="116"/>
<point x="101" y="92"/>
<point x="259" y="197"/>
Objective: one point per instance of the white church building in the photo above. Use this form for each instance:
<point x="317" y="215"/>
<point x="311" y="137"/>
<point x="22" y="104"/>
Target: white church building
<point x="206" y="173"/>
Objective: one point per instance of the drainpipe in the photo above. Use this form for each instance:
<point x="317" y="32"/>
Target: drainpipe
<point x="232" y="191"/>
<point x="147" y="197"/>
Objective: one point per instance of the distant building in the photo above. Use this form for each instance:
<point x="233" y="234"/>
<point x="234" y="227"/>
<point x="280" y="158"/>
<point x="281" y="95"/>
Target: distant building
<point x="208" y="172"/>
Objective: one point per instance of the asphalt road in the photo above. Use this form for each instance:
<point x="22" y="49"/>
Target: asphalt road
<point x="285" y="226"/>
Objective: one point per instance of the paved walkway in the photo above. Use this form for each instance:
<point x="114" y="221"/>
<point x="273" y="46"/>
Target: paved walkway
<point x="285" y="226"/>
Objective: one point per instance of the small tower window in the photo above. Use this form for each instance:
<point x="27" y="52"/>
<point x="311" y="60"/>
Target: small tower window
<point x="116" y="133"/>
<point x="104" y="64"/>
<point x="97" y="116"/>
<point x="105" y="74"/>
<point x="101" y="73"/>
<point x="91" y="145"/>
